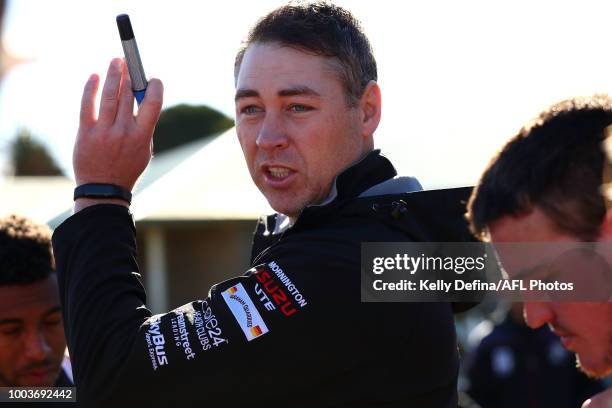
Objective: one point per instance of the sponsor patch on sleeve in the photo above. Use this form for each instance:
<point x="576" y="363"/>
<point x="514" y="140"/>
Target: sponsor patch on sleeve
<point x="243" y="309"/>
<point x="275" y="290"/>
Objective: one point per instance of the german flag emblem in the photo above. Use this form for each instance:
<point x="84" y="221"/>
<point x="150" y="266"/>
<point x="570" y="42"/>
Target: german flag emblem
<point x="256" y="331"/>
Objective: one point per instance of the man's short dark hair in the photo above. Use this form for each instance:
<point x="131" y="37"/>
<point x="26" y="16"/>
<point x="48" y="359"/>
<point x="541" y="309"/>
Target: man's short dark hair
<point x="322" y="29"/>
<point x="556" y="163"/>
<point x="25" y="251"/>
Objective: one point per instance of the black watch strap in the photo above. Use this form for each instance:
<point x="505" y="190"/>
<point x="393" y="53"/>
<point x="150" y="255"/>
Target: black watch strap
<point x="99" y="190"/>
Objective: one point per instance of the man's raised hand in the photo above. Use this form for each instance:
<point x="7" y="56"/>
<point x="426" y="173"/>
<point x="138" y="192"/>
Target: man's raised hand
<point x="115" y="147"/>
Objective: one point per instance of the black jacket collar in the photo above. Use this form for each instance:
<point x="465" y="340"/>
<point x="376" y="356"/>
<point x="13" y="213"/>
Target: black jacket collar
<point x="370" y="170"/>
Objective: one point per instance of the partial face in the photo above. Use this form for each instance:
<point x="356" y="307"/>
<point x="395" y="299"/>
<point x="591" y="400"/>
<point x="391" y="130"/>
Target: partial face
<point x="294" y="125"/>
<point x="32" y="341"/>
<point x="584" y="327"/>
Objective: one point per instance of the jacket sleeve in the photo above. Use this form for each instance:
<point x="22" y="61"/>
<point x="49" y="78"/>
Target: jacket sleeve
<point x="245" y="335"/>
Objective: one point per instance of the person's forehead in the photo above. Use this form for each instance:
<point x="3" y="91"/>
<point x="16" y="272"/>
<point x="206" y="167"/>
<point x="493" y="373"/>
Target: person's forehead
<point x="277" y="66"/>
<point x="534" y="226"/>
<point x="528" y="241"/>
<point x="30" y="299"/>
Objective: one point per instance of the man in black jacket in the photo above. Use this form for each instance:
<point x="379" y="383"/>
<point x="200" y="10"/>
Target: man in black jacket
<point x="291" y="331"/>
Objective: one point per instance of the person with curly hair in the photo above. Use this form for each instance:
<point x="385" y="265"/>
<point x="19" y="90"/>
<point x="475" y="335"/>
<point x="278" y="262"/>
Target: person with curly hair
<point x="32" y="341"/>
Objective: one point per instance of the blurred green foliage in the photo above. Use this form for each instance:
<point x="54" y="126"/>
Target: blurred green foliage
<point x="182" y="124"/>
<point x="29" y="157"/>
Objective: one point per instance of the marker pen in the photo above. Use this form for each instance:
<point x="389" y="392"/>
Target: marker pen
<point x="132" y="57"/>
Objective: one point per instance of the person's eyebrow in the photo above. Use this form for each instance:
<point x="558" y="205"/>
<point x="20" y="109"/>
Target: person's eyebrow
<point x="245" y="93"/>
<point x="292" y="91"/>
<point x="298" y="91"/>
<point x="10" y="321"/>
<point x="54" y="309"/>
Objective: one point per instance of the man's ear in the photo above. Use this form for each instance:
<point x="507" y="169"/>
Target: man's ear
<point x="370" y="108"/>
<point x="605" y="230"/>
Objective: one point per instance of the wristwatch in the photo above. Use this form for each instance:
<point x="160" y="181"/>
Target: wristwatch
<point x="100" y="190"/>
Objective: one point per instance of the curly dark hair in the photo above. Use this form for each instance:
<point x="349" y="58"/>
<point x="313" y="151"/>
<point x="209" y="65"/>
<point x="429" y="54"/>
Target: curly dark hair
<point x="322" y="29"/>
<point x="555" y="162"/>
<point x="25" y="251"/>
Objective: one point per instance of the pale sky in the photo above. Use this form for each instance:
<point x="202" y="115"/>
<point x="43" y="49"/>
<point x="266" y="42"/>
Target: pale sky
<point x="457" y="78"/>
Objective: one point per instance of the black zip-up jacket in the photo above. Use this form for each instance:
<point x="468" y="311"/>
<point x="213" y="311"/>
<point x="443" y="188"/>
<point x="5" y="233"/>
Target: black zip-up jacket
<point x="291" y="331"/>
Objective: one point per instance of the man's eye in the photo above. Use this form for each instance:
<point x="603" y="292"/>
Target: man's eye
<point x="10" y="331"/>
<point x="53" y="322"/>
<point x="299" y="108"/>
<point x="250" y="110"/>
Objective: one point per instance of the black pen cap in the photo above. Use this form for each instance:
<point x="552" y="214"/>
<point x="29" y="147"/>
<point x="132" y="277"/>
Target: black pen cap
<point x="125" y="27"/>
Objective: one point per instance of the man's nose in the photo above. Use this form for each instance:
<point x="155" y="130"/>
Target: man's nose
<point x="537" y="314"/>
<point x="272" y="134"/>
<point x="36" y="345"/>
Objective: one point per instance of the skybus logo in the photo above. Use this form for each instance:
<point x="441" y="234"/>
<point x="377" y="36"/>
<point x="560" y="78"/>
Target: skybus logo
<point x="158" y="341"/>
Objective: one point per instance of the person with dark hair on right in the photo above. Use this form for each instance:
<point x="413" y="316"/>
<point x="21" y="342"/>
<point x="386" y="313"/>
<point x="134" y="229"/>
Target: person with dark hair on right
<point x="545" y="185"/>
